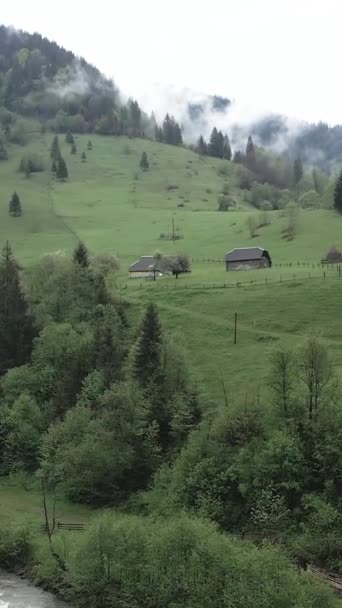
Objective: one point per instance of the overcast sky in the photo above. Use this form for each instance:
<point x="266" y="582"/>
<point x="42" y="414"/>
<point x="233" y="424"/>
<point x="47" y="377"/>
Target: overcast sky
<point x="280" y="55"/>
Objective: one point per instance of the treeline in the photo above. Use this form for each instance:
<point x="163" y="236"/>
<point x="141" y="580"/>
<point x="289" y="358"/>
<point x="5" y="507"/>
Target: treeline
<point x="92" y="404"/>
<point x="270" y="469"/>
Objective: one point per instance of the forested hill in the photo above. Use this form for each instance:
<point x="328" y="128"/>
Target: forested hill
<point x="40" y="79"/>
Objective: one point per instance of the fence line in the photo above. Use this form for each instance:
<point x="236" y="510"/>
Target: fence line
<point x="174" y="285"/>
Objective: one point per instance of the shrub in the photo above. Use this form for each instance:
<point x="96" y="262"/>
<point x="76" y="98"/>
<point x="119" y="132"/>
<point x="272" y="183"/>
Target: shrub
<point x="31" y="163"/>
<point x="334" y="255"/>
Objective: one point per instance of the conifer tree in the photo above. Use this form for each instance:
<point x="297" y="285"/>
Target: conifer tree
<point x="89" y="145"/>
<point x="148" y="355"/>
<point x="215" y="147"/>
<point x="55" y="151"/>
<point x="83" y="157"/>
<point x="3" y="151"/>
<point x="227" y="151"/>
<point x="144" y="164"/>
<point x="298" y="171"/>
<point x="54" y="167"/>
<point x="338" y="194"/>
<point x="62" y="170"/>
<point x="69" y="138"/>
<point x="73" y="149"/>
<point x="17" y="329"/>
<point x="201" y="146"/>
<point x="81" y="255"/>
<point x="158" y="134"/>
<point x="14" y="208"/>
<point x="250" y="154"/>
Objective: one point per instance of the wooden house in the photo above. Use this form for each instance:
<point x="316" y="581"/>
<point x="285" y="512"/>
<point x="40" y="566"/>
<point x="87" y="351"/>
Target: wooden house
<point x="247" y="258"/>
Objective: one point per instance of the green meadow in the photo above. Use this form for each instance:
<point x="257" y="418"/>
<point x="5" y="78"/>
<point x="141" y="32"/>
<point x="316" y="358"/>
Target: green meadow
<point x="114" y="207"/>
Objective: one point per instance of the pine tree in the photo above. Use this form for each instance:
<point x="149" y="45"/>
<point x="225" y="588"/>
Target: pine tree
<point x="227" y="151"/>
<point x="14" y="207"/>
<point x="73" y="149"/>
<point x="158" y="134"/>
<point x="83" y="157"/>
<point x="81" y="255"/>
<point x="3" y="151"/>
<point x="55" y="151"/>
<point x="338" y="194"/>
<point x="144" y="164"/>
<point x="298" y="171"/>
<point x="216" y="142"/>
<point x="201" y="146"/>
<point x="16" y="324"/>
<point x="54" y="167"/>
<point x="250" y="154"/>
<point x="148" y="355"/>
<point x="69" y="138"/>
<point x="62" y="170"/>
<point x="89" y="145"/>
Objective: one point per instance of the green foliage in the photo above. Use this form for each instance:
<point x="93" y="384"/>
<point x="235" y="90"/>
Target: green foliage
<point x="80" y="255"/>
<point x="250" y="154"/>
<point x="170" y="132"/>
<point x="61" y="169"/>
<point x="16" y="324"/>
<point x="15" y="547"/>
<point x="89" y="145"/>
<point x="14" y="207"/>
<point x="31" y="163"/>
<point x="69" y="138"/>
<point x="309" y="200"/>
<point x="55" y="150"/>
<point x="144" y="164"/>
<point x="298" y="171"/>
<point x="83" y="157"/>
<point x="73" y="148"/>
<point x="225" y="202"/>
<point x="182" y="562"/>
<point x="338" y="194"/>
<point x="3" y="151"/>
<point x="216" y="144"/>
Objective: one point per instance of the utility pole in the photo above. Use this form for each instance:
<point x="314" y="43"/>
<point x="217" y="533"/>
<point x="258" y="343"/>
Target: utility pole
<point x="235" y="327"/>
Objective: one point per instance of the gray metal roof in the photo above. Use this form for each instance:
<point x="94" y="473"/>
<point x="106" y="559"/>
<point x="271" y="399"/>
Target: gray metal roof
<point x="144" y="264"/>
<point x="245" y="254"/>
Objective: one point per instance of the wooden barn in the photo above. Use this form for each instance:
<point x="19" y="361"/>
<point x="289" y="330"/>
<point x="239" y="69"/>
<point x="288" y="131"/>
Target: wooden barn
<point x="144" y="268"/>
<point x="248" y="258"/>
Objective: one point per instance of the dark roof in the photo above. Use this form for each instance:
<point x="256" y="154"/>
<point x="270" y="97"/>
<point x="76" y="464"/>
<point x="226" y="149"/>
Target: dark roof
<point x="245" y="254"/>
<point x="144" y="264"/>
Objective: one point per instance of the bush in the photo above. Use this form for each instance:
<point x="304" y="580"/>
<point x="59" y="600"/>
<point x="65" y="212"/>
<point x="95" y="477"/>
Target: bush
<point x="14" y="547"/>
<point x="225" y="202"/>
<point x="334" y="255"/>
<point x="126" y="561"/>
<point x="31" y="163"/>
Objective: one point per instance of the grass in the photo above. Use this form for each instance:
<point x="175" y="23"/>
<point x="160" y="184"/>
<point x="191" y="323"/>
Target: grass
<point x="22" y="503"/>
<point x="110" y="204"/>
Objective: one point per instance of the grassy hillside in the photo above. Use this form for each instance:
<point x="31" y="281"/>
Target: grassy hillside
<point x="110" y="204"/>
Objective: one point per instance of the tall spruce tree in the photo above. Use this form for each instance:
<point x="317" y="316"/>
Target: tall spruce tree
<point x="83" y="157"/>
<point x="14" y="207"/>
<point x="227" y="151"/>
<point x="80" y="255"/>
<point x="17" y="329"/>
<point x="62" y="170"/>
<point x="55" y="151"/>
<point x="338" y="194"/>
<point x="201" y="146"/>
<point x="69" y="138"/>
<point x="216" y="141"/>
<point x="3" y="151"/>
<point x="148" y="355"/>
<point x="89" y="145"/>
<point x="298" y="171"/>
<point x="250" y="154"/>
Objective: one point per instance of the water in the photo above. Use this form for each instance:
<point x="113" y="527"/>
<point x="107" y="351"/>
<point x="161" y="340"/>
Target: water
<point x="18" y="593"/>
